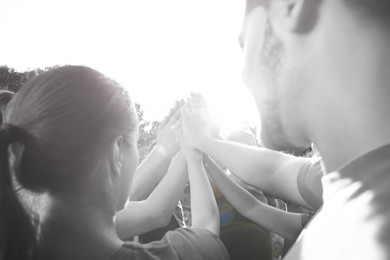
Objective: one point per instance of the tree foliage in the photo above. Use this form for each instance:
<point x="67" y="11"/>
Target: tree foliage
<point x="147" y="133"/>
<point x="11" y="79"/>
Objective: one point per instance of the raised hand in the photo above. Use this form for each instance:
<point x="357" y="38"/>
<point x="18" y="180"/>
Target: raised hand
<point x="194" y="130"/>
<point x="166" y="138"/>
<point x="199" y="102"/>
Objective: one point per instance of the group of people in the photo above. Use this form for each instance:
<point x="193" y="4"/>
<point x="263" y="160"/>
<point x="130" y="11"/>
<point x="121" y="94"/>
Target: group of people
<point x="71" y="187"/>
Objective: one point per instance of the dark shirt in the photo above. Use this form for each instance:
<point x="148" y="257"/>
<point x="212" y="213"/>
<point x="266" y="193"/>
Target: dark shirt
<point x="181" y="243"/>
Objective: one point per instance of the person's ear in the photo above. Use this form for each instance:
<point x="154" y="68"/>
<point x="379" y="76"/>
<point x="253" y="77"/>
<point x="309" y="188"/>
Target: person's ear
<point x="116" y="156"/>
<point x="300" y="16"/>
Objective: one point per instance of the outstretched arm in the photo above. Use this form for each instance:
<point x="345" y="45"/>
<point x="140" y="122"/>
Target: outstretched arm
<point x="286" y="224"/>
<point x="156" y="164"/>
<point x="204" y="210"/>
<point x="271" y="171"/>
<point x="142" y="216"/>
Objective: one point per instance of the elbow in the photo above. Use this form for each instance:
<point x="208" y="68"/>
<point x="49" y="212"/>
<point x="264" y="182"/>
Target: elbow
<point x="216" y="227"/>
<point x="122" y="233"/>
<point x="292" y="233"/>
<point x="122" y="230"/>
<point x="207" y="222"/>
<point x="138" y="194"/>
<point x="161" y="219"/>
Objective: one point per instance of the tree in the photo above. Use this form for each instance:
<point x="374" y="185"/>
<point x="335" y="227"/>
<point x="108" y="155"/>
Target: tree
<point x="147" y="133"/>
<point x="11" y="79"/>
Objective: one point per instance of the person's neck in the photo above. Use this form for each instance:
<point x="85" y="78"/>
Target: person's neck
<point x="350" y="112"/>
<point x="71" y="226"/>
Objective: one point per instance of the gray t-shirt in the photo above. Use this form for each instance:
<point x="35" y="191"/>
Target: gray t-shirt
<point x="354" y="221"/>
<point x="182" y="243"/>
<point x="309" y="183"/>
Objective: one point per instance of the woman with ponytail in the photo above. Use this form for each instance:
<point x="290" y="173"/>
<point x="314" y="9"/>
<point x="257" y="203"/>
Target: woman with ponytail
<point x="68" y="153"/>
<point x="17" y="237"/>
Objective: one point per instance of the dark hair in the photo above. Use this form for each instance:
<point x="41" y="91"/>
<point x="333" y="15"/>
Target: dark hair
<point x="64" y="118"/>
<point x="377" y="9"/>
<point x="5" y="97"/>
<point x="252" y="4"/>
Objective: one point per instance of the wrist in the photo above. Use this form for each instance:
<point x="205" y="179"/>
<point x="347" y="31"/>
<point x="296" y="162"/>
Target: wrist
<point x="194" y="157"/>
<point x="164" y="152"/>
<point x="206" y="143"/>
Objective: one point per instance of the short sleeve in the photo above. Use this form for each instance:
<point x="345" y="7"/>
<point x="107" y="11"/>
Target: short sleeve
<point x="194" y="243"/>
<point x="309" y="183"/>
<point x="181" y="243"/>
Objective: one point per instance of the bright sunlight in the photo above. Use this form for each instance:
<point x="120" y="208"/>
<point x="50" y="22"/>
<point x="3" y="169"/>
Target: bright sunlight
<point x="160" y="50"/>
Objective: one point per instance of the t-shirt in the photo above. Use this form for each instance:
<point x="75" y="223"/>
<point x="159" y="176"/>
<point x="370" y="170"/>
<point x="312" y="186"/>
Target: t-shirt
<point x="309" y="183"/>
<point x="354" y="222"/>
<point x="181" y="243"/>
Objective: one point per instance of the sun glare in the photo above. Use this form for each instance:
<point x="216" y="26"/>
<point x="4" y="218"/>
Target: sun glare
<point x="160" y="50"/>
<point x="232" y="111"/>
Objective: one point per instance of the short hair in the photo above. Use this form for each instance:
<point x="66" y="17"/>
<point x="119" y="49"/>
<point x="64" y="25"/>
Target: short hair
<point x="378" y="9"/>
<point x="252" y="4"/>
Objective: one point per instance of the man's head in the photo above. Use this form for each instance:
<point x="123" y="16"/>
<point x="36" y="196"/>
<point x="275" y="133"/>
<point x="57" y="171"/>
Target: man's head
<point x="294" y="51"/>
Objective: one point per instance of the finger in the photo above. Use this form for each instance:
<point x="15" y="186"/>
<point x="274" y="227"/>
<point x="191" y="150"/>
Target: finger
<point x="196" y="96"/>
<point x="178" y="124"/>
<point x="192" y="107"/>
<point x="177" y="127"/>
<point x="178" y="134"/>
<point x="194" y="99"/>
<point x="174" y="118"/>
<point x="174" y="108"/>
<point x="163" y="122"/>
<point x="197" y="112"/>
<point x="188" y="109"/>
<point x="184" y="116"/>
<point x="171" y="111"/>
<point x="199" y="98"/>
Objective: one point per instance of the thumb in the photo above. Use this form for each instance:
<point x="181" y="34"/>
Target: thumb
<point x="177" y="130"/>
<point x="163" y="122"/>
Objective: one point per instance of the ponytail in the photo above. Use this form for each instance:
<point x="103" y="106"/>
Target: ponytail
<point x="5" y="98"/>
<point x="17" y="232"/>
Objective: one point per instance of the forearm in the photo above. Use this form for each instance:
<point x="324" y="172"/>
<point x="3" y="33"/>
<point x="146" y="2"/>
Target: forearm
<point x="271" y="171"/>
<point x="150" y="173"/>
<point x="169" y="191"/>
<point x="204" y="210"/>
<point x="156" y="211"/>
<point x="245" y="161"/>
<point x="283" y="223"/>
<point x="135" y="219"/>
<point x="240" y="198"/>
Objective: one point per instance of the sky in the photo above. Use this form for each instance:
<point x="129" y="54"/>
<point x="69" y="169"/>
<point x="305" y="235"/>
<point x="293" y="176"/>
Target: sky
<point x="161" y="50"/>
